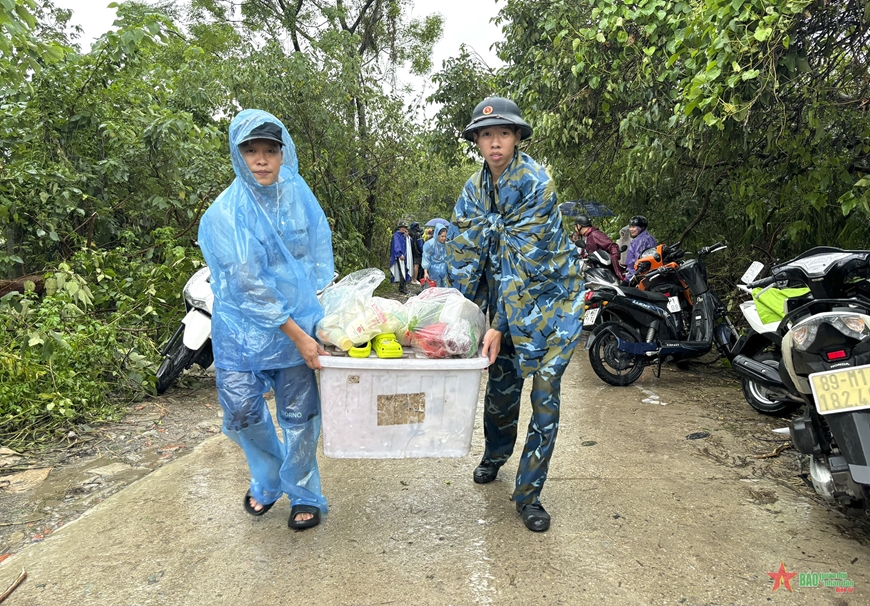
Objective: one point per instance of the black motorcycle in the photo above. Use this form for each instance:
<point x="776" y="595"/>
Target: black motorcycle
<point x="650" y="328"/>
<point x="598" y="272"/>
<point x="826" y="363"/>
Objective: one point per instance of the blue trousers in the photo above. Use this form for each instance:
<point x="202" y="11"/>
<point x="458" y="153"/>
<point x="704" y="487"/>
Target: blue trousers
<point x="501" y="416"/>
<point x="288" y="467"/>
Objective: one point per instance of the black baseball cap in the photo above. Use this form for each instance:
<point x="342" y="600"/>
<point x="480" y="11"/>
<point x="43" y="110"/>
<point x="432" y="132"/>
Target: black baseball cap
<point x="266" y="130"/>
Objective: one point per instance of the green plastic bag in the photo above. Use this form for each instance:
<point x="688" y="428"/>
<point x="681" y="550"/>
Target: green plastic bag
<point x="771" y="303"/>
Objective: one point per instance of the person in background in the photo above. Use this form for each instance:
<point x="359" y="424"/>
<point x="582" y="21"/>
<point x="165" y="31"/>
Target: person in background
<point x="416" y="234"/>
<point x="401" y="257"/>
<point x="435" y="258"/>
<point x="595" y="239"/>
<point x="507" y="252"/>
<point x="428" y="234"/>
<point x="269" y="248"/>
<point x="623" y="242"/>
<point x="641" y="240"/>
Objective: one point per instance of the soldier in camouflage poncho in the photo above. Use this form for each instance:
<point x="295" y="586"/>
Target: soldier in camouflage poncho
<point x="508" y="253"/>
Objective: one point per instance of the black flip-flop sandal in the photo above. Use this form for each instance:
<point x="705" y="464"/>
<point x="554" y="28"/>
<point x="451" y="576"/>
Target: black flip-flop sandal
<point x="250" y="509"/>
<point x="292" y="522"/>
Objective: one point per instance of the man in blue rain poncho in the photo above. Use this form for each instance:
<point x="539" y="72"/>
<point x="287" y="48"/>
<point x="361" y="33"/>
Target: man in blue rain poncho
<point x="269" y="248"/>
<point x="508" y="253"/>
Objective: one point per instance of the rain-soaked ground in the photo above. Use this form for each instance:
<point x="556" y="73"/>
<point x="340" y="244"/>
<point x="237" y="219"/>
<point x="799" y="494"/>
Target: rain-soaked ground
<point x="669" y="491"/>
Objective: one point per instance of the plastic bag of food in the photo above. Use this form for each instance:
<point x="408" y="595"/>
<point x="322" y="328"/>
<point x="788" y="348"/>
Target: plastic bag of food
<point x="343" y="303"/>
<point x="378" y="316"/>
<point x="352" y="316"/>
<point x="442" y="323"/>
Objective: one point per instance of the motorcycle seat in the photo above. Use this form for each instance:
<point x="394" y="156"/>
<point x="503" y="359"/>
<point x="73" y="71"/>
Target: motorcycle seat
<point x="652" y="297"/>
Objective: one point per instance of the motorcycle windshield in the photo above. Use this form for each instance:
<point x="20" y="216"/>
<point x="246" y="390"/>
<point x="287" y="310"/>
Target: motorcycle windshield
<point x="819" y="265"/>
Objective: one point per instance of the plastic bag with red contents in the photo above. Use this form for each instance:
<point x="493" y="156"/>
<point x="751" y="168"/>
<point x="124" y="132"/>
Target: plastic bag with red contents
<point x="442" y="323"/>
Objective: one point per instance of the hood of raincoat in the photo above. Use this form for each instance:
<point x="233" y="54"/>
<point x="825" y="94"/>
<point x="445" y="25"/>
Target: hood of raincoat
<point x="435" y="256"/>
<point x="515" y="229"/>
<point x="269" y="249"/>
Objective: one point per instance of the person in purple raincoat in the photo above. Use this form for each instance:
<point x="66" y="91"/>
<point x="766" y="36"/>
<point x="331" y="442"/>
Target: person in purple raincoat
<point x="641" y="240"/>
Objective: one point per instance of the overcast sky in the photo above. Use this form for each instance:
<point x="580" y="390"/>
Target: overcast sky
<point x="465" y="21"/>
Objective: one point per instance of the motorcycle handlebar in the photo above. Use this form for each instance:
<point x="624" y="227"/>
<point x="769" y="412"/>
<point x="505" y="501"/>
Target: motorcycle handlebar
<point x="712" y="248"/>
<point x="762" y="283"/>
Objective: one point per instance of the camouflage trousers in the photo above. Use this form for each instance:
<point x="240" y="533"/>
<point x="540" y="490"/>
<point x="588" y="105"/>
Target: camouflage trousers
<point x="501" y="416"/>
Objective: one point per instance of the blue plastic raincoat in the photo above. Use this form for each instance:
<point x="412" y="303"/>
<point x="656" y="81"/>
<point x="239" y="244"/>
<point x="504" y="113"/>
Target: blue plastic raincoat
<point x="435" y="258"/>
<point x="269" y="250"/>
<point x="507" y="252"/>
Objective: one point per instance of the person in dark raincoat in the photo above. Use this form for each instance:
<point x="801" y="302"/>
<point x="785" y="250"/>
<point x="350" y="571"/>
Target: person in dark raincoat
<point x="269" y="248"/>
<point x="415" y="232"/>
<point x="595" y="239"/>
<point x="401" y="257"/>
<point x="508" y="253"/>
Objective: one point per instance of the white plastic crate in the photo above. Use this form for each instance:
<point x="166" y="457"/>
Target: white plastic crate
<point x="402" y="408"/>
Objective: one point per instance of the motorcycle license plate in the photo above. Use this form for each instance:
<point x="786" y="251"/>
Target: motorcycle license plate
<point x="673" y="304"/>
<point x="590" y="316"/>
<point x="841" y="390"/>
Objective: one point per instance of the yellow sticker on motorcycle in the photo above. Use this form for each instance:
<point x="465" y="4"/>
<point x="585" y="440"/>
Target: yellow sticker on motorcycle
<point x="841" y="390"/>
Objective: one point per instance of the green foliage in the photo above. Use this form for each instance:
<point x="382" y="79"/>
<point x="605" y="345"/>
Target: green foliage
<point x="357" y="147"/>
<point x="744" y="119"/>
<point x="22" y="50"/>
<point x="100" y="144"/>
<point x="89" y="344"/>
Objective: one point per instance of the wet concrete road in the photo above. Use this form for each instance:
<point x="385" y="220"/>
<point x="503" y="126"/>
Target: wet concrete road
<point x="638" y="518"/>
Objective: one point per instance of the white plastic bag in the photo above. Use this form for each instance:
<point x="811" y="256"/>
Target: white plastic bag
<point x="352" y="316"/>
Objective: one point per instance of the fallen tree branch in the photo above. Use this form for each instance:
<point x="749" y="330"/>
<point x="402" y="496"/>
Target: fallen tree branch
<point x="20" y="523"/>
<point x="775" y="452"/>
<point x="14" y="584"/>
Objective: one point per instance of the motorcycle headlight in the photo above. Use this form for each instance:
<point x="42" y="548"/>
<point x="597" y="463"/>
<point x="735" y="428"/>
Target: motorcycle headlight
<point x="800" y="335"/>
<point x="851" y="325"/>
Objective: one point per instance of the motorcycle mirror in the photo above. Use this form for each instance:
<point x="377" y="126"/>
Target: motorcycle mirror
<point x="752" y="272"/>
<point x="623" y="248"/>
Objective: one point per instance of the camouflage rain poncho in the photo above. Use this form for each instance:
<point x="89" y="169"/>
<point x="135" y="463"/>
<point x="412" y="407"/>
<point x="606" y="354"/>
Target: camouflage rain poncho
<point x="512" y="239"/>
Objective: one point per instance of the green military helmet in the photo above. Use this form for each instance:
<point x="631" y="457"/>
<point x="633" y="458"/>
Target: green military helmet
<point x="495" y="111"/>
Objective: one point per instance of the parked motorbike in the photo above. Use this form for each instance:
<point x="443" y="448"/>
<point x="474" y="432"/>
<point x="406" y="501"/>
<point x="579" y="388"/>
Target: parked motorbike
<point x="597" y="268"/>
<point x="191" y="342"/>
<point x="826" y="363"/>
<point x="761" y="342"/>
<point x="599" y="273"/>
<point x="649" y="327"/>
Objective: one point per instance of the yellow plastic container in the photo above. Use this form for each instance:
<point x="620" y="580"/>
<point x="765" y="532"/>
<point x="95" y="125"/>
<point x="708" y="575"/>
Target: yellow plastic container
<point x="360" y="351"/>
<point x="387" y="346"/>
